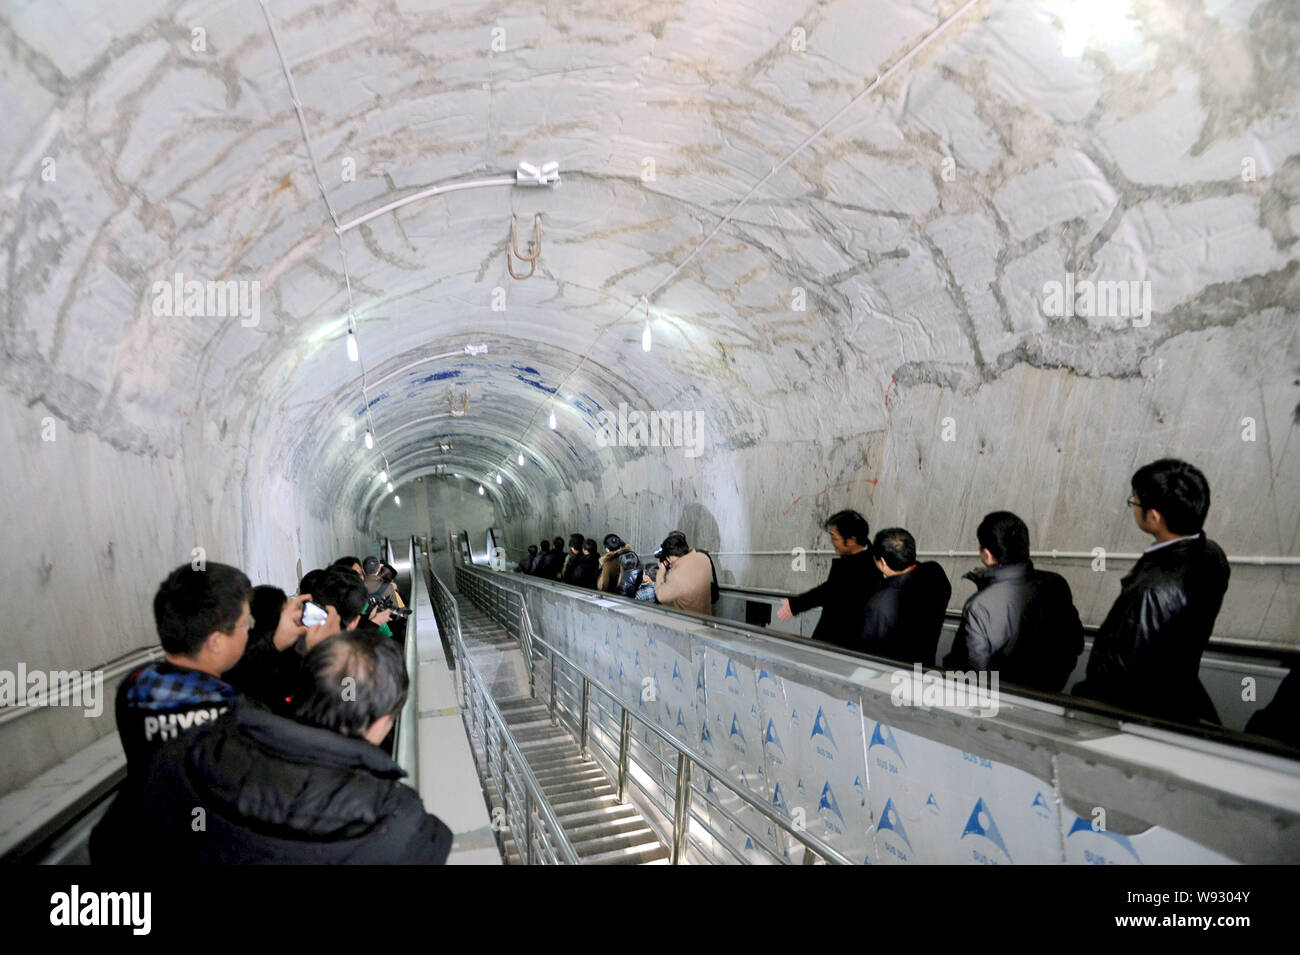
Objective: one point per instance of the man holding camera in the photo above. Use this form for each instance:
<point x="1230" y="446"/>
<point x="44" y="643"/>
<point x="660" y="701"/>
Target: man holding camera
<point x="685" y="576"/>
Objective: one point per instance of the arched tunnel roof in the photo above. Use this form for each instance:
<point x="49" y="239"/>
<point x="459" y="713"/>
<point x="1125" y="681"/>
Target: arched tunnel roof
<point x="902" y="240"/>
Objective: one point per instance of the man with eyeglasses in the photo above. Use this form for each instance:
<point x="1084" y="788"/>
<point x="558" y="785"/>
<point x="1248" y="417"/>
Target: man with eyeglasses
<point x="1147" y="654"/>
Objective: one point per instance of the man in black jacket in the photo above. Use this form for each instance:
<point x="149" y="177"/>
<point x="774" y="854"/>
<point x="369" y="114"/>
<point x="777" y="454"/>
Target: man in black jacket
<point x="903" y="617"/>
<point x="1147" y="654"/>
<point x="258" y="788"/>
<point x="852" y="578"/>
<point x="1020" y="621"/>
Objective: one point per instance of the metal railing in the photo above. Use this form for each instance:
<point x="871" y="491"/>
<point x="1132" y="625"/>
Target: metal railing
<point x="507" y="607"/>
<point x="406" y="731"/>
<point x="528" y="814"/>
<point x="602" y="725"/>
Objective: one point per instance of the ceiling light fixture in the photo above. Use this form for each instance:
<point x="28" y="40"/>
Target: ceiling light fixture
<point x="552" y="419"/>
<point x="383" y="477"/>
<point x="370" y="440"/>
<point x="521" y="459"/>
<point x="645" y="335"/>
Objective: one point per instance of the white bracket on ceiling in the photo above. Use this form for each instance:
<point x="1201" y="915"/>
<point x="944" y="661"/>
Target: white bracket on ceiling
<point x="529" y="175"/>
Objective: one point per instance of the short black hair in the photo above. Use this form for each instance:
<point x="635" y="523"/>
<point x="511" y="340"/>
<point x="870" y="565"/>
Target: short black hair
<point x="613" y="542"/>
<point x="589" y="545"/>
<point x="675" y="545"/>
<point x="576" y="541"/>
<point x="265" y="604"/>
<point x="378" y="682"/>
<point x="1177" y="490"/>
<point x="371" y="564"/>
<point x="558" y="543"/>
<point x="1005" y="536"/>
<point x="546" y="546"/>
<point x="532" y="548"/>
<point x="895" y="546"/>
<point x="348" y="565"/>
<point x="341" y="590"/>
<point x="851" y="524"/>
<point x="192" y="604"/>
<point x="309" y="580"/>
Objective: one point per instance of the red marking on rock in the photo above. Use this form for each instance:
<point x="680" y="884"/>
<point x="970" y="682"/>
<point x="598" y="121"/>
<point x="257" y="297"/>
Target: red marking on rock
<point x="829" y="487"/>
<point x="888" y="390"/>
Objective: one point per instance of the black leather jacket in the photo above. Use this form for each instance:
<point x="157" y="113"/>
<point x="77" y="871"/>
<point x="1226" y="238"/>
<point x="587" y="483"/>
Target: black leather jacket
<point x="1022" y="623"/>
<point x="273" y="791"/>
<point x="1147" y="655"/>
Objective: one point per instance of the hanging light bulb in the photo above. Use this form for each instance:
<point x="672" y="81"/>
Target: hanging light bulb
<point x="397" y="500"/>
<point x="480" y="489"/>
<point x="552" y="419"/>
<point x="383" y="476"/>
<point x="645" y="334"/>
<point x="352" y="346"/>
<point x="520" y="459"/>
<point x="370" y="440"/>
<point x="498" y="477"/>
<point x="390" y="487"/>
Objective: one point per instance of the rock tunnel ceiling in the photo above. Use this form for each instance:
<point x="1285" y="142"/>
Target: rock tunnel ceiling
<point x="914" y="240"/>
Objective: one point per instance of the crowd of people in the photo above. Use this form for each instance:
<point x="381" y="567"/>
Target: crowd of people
<point x="263" y="735"/>
<point x="680" y="577"/>
<point x="1021" y="621"/>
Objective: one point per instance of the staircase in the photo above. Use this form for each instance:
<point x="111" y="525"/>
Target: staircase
<point x="602" y="830"/>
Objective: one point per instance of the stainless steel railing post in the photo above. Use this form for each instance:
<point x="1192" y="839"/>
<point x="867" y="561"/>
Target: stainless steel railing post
<point x="554" y="719"/>
<point x="682" y="808"/>
<point x="528" y="827"/>
<point x="586" y="687"/>
<point x="624" y="729"/>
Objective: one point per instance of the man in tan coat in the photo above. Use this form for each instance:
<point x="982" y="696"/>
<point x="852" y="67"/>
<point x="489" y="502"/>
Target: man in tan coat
<point x="684" y="577"/>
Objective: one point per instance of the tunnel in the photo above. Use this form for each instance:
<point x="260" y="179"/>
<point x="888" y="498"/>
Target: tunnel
<point x="288" y="280"/>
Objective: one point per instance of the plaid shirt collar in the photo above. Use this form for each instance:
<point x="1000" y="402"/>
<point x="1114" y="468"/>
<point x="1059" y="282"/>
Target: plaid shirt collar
<point x="164" y="686"/>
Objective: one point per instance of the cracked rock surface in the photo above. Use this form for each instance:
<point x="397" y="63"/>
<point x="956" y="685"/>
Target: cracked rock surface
<point x="890" y="277"/>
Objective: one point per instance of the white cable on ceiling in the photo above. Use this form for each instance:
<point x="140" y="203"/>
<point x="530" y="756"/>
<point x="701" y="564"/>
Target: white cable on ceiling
<point x="875" y="84"/>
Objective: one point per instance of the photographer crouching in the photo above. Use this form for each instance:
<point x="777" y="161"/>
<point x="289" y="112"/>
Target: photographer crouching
<point x="685" y="576"/>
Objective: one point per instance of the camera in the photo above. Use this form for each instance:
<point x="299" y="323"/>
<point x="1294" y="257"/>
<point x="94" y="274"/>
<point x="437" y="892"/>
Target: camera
<point x="398" y="613"/>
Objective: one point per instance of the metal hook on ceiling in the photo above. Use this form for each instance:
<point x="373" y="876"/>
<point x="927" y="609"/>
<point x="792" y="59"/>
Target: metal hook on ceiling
<point x="534" y="248"/>
<point x="464" y="406"/>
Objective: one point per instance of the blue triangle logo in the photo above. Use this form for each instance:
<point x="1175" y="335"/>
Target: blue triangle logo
<point x="890" y="822"/>
<point x="981" y="823"/>
<point x="884" y="736"/>
<point x="822" y="727"/>
<point x="829" y="803"/>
